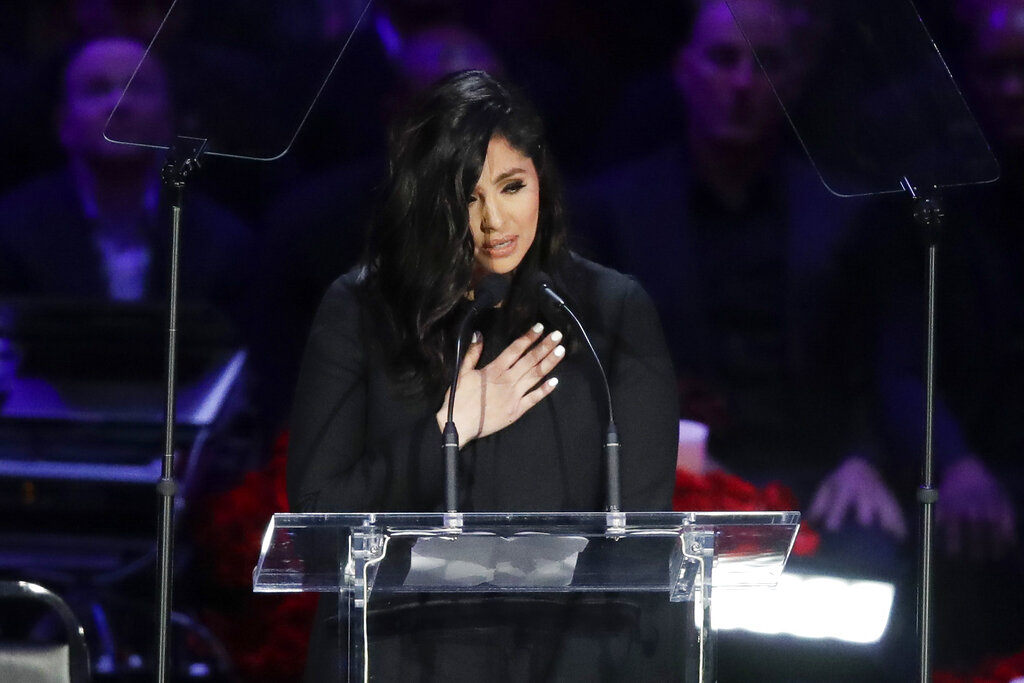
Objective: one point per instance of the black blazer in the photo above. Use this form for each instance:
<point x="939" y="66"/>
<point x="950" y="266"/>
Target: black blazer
<point x="357" y="444"/>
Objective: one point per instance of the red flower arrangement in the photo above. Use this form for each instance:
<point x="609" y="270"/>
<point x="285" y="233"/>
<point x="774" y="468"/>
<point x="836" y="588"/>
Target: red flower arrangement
<point x="996" y="670"/>
<point x="234" y="521"/>
<point x="719" y="491"/>
<point x="266" y="635"/>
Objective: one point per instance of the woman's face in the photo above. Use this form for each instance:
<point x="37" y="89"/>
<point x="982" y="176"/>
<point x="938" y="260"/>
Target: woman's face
<point x="503" y="209"/>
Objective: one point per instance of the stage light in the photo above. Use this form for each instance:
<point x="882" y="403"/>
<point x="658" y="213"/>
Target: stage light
<point x="808" y="606"/>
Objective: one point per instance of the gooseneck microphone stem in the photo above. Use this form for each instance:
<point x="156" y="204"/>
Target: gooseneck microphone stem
<point x="611" y="441"/>
<point x="489" y="292"/>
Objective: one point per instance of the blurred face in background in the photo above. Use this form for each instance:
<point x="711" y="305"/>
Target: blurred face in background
<point x="435" y="51"/>
<point x="727" y="97"/>
<point x="93" y="84"/>
<point x="995" y="65"/>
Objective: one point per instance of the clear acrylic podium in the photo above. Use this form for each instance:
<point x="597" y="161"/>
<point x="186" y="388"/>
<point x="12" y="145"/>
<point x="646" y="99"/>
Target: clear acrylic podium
<point x="680" y="556"/>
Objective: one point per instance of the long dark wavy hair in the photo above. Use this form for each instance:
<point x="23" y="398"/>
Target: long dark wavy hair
<point x="419" y="258"/>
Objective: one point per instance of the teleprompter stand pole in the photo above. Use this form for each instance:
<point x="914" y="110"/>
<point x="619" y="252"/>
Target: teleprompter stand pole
<point x="928" y="215"/>
<point x="182" y="160"/>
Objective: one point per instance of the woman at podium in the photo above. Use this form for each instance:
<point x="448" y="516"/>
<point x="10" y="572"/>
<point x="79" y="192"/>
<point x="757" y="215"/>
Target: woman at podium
<point x="472" y="191"/>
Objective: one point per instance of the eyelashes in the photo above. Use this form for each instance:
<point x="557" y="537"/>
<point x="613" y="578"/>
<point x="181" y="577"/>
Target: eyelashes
<point x="510" y="188"/>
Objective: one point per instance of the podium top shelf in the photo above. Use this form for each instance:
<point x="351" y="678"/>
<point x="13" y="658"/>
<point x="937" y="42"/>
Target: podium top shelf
<point x="535" y="551"/>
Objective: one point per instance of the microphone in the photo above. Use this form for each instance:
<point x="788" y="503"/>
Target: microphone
<point x="490" y="291"/>
<point x="611" y="441"/>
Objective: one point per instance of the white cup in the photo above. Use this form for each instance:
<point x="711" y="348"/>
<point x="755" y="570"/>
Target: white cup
<point x="692" y="452"/>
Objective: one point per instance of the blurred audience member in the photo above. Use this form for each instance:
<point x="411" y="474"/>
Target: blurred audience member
<point x="979" y="351"/>
<point x="733" y="239"/>
<point x="427" y="54"/>
<point x="95" y="229"/>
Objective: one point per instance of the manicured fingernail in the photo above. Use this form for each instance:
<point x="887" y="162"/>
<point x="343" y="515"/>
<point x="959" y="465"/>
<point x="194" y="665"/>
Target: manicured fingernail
<point x="553" y="382"/>
<point x="475" y="339"/>
<point x="556" y="336"/>
<point x="538" y="328"/>
<point x="559" y="351"/>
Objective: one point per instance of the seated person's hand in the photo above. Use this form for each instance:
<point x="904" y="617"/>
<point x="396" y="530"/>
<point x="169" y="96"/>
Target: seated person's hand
<point x="974" y="514"/>
<point x="855" y="487"/>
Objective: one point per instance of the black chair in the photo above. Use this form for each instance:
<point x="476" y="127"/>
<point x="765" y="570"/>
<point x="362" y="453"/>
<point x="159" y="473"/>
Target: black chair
<point x="26" y="661"/>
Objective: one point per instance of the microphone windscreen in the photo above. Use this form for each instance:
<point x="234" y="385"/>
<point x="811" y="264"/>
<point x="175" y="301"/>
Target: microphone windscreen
<point x="490" y="291"/>
<point x="542" y="281"/>
<point x="539" y="278"/>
